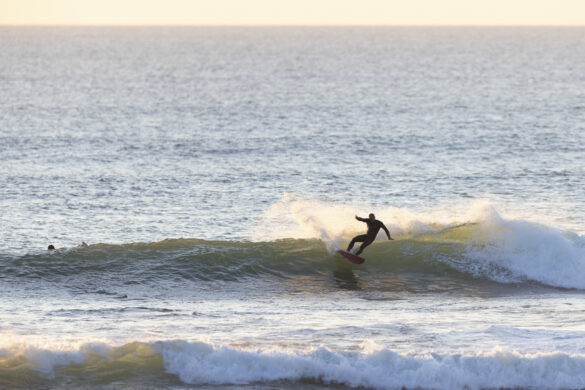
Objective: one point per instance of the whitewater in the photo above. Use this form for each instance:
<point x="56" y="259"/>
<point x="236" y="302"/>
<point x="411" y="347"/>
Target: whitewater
<point x="214" y="173"/>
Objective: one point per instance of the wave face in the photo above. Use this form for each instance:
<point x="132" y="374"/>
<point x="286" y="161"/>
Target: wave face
<point x="491" y="249"/>
<point x="168" y="363"/>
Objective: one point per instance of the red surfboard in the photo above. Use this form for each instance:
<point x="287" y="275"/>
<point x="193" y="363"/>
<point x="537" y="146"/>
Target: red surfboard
<point x="351" y="257"/>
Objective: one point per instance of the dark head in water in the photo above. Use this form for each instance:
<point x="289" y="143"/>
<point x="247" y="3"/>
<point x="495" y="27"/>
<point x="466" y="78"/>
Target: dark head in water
<point x="50" y="247"/>
<point x="372" y="217"/>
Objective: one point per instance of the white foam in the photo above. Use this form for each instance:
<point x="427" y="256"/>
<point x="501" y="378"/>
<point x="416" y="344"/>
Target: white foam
<point x="44" y="360"/>
<point x="525" y="251"/>
<point x="199" y="363"/>
<point x="203" y="363"/>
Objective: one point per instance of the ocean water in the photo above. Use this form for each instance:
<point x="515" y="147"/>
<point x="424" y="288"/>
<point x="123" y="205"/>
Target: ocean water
<point x="214" y="172"/>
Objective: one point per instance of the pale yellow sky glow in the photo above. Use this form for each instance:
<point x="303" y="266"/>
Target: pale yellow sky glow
<point x="292" y="12"/>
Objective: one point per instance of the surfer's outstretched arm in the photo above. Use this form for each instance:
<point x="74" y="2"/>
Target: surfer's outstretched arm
<point x="361" y="219"/>
<point x="387" y="232"/>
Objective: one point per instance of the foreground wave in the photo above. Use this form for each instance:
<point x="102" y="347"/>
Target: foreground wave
<point x="174" y="362"/>
<point x="509" y="252"/>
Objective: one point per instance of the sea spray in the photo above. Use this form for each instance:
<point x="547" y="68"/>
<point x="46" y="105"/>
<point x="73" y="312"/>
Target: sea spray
<point x="297" y="217"/>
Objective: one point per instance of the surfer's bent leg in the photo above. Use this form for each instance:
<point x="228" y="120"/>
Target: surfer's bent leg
<point x="364" y="245"/>
<point x="361" y="238"/>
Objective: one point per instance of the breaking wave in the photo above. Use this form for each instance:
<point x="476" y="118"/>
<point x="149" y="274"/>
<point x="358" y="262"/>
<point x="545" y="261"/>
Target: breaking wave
<point x="199" y="363"/>
<point x="487" y="246"/>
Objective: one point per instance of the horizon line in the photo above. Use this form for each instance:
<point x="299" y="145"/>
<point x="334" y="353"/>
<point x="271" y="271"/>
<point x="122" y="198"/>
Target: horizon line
<point x="290" y="25"/>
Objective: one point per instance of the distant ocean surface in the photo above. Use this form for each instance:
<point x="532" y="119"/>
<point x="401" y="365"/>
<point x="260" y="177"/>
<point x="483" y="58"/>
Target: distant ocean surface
<point x="214" y="172"/>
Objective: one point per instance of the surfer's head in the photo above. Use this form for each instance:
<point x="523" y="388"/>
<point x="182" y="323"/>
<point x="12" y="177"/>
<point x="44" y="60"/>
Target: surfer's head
<point x="50" y="247"/>
<point x="372" y="216"/>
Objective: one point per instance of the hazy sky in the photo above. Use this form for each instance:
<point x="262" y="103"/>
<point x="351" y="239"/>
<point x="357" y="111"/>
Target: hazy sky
<point x="293" y="12"/>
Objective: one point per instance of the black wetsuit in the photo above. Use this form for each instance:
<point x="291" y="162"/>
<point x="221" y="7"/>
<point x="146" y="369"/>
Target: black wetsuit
<point x="366" y="239"/>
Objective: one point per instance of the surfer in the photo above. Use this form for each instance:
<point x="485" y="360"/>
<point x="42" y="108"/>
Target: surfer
<point x="374" y="227"/>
